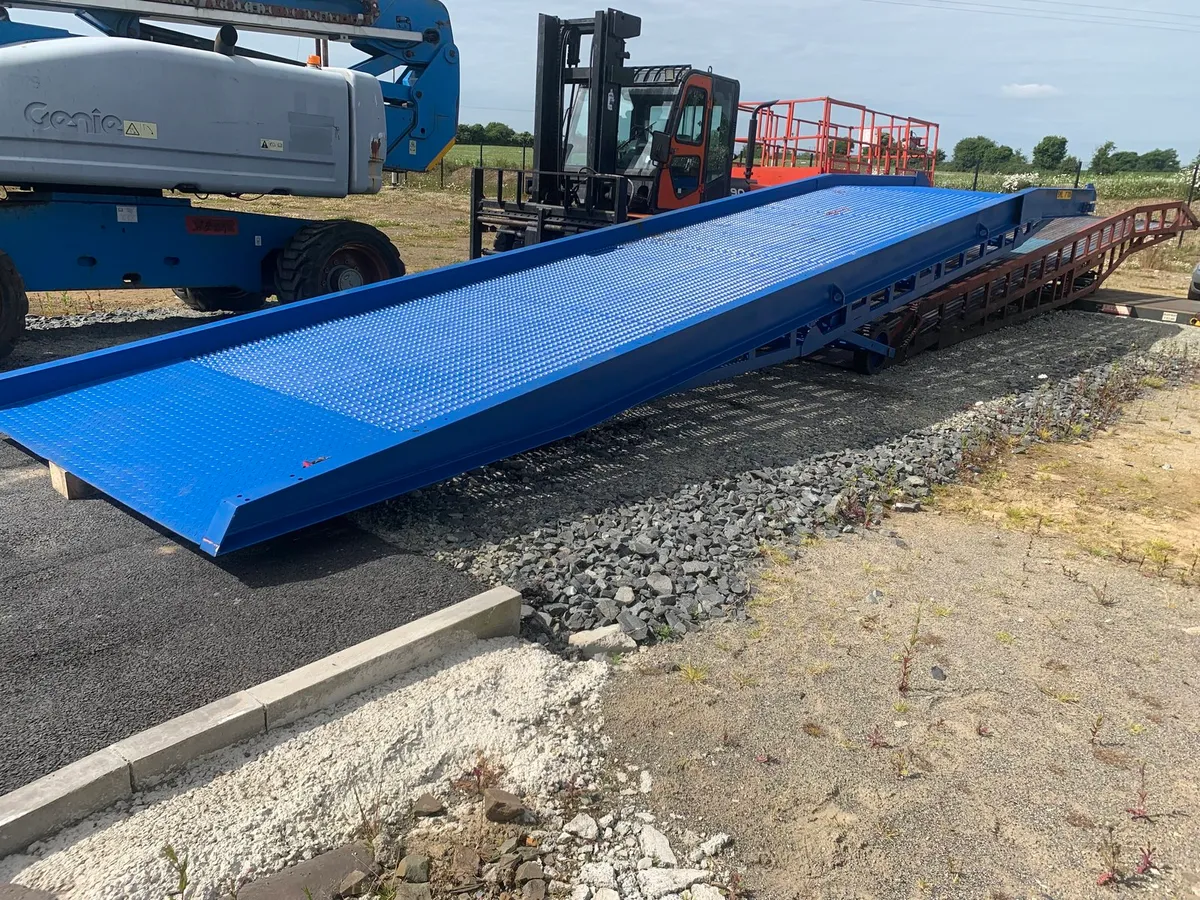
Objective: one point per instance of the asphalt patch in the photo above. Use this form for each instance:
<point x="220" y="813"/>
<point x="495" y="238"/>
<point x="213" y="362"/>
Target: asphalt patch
<point x="108" y="626"/>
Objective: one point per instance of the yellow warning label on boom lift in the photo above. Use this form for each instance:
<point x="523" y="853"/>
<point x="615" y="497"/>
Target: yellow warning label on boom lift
<point x="146" y="130"/>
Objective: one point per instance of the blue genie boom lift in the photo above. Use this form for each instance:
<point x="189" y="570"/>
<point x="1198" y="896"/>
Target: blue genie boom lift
<point x="238" y="431"/>
<point x="98" y="133"/>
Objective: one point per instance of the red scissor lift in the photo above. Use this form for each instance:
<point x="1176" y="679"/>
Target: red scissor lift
<point x="792" y="139"/>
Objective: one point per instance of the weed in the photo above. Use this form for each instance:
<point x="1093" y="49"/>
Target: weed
<point x="1110" y="861"/>
<point x="1060" y="696"/>
<point x="1094" y="737"/>
<point x="900" y="706"/>
<point x="774" y="555"/>
<point x="816" y="670"/>
<point x="905" y="670"/>
<point x="876" y="740"/>
<point x="665" y="634"/>
<point x="1153" y="381"/>
<point x="1136" y="728"/>
<point x="984" y="730"/>
<point x="179" y="867"/>
<point x="813" y="730"/>
<point x="729" y="740"/>
<point x="906" y="657"/>
<point x="478" y="778"/>
<point x="900" y="764"/>
<point x="1004" y="637"/>
<point x="1138" y="812"/>
<point x="1101" y="595"/>
<point x="1146" y="862"/>
<point x="943" y="612"/>
<point x="693" y="674"/>
<point x="744" y="680"/>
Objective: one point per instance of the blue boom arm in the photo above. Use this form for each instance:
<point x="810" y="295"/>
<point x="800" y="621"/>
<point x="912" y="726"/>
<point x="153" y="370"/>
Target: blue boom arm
<point x="411" y="40"/>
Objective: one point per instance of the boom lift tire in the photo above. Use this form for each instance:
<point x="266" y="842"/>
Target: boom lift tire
<point x="14" y="305"/>
<point x="326" y="257"/>
<point x="222" y="299"/>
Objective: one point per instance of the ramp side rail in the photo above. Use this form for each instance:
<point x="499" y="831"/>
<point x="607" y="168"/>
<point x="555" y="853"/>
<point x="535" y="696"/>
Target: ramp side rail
<point x="1037" y="281"/>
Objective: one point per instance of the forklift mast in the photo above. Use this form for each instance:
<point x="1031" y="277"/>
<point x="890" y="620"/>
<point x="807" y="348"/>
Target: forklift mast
<point x="559" y="57"/>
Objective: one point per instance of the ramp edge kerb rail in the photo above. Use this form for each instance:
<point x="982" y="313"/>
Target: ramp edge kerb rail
<point x="57" y="376"/>
<point x="418" y="461"/>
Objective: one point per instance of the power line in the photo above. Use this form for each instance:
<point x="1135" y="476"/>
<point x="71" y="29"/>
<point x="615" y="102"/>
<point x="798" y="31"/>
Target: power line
<point x="1000" y="11"/>
<point x="1116" y="9"/>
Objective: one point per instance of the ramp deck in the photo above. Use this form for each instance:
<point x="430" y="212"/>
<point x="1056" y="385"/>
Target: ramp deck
<point x="241" y="430"/>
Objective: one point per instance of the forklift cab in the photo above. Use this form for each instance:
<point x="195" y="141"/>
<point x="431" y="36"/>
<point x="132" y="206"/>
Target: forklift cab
<point x="674" y="136"/>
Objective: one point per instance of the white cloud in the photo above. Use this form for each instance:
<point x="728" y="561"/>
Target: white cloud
<point x="1027" y="91"/>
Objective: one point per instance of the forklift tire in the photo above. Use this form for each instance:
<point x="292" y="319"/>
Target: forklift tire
<point x="222" y="299"/>
<point x="14" y="305"/>
<point x="326" y="257"/>
<point x="508" y="240"/>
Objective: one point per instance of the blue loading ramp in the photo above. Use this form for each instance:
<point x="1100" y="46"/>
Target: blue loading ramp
<point x="245" y="429"/>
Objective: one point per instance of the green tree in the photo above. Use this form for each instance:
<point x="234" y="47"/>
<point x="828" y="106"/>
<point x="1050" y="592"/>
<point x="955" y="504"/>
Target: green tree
<point x="499" y="134"/>
<point x="1123" y="161"/>
<point x="1102" y="159"/>
<point x="973" y="151"/>
<point x="1049" y="153"/>
<point x="941" y="156"/>
<point x="1158" y="161"/>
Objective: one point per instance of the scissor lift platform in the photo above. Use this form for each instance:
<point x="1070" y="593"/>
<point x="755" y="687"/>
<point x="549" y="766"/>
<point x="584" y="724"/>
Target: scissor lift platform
<point x="241" y="430"/>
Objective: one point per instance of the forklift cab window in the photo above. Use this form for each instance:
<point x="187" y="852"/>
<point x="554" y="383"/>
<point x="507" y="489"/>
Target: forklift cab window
<point x="643" y="111"/>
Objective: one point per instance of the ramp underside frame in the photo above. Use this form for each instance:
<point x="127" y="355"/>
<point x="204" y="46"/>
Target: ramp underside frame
<point x="238" y="431"/>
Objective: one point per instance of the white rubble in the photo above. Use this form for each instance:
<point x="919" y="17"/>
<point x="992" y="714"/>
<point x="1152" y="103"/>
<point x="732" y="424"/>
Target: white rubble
<point x="657" y="883"/>
<point x="655" y="845"/>
<point x="255" y="808"/>
<point x="598" y="875"/>
<point x="602" y="641"/>
<point x="583" y="826"/>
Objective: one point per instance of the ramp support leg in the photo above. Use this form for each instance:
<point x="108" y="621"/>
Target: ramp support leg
<point x="68" y="485"/>
<point x="866" y="343"/>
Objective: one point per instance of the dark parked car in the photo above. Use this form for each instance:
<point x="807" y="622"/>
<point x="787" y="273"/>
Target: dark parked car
<point x="1194" y="287"/>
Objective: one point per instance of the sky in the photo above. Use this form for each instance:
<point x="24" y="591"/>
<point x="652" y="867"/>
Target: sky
<point x="1014" y="70"/>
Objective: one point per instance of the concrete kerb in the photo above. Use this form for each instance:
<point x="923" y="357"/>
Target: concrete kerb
<point x="65" y="796"/>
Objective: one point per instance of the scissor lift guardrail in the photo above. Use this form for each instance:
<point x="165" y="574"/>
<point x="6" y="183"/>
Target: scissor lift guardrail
<point x="241" y="430"/>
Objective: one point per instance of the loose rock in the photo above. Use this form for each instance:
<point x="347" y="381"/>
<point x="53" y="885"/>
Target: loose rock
<point x="413" y="869"/>
<point x="656" y="846"/>
<point x="583" y="826"/>
<point x="501" y="806"/>
<point x="428" y="805"/>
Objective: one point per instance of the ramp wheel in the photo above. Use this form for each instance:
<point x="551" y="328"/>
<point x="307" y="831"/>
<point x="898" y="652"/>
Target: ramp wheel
<point x="227" y="299"/>
<point x="327" y="257"/>
<point x="869" y="363"/>
<point x="14" y="305"/>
